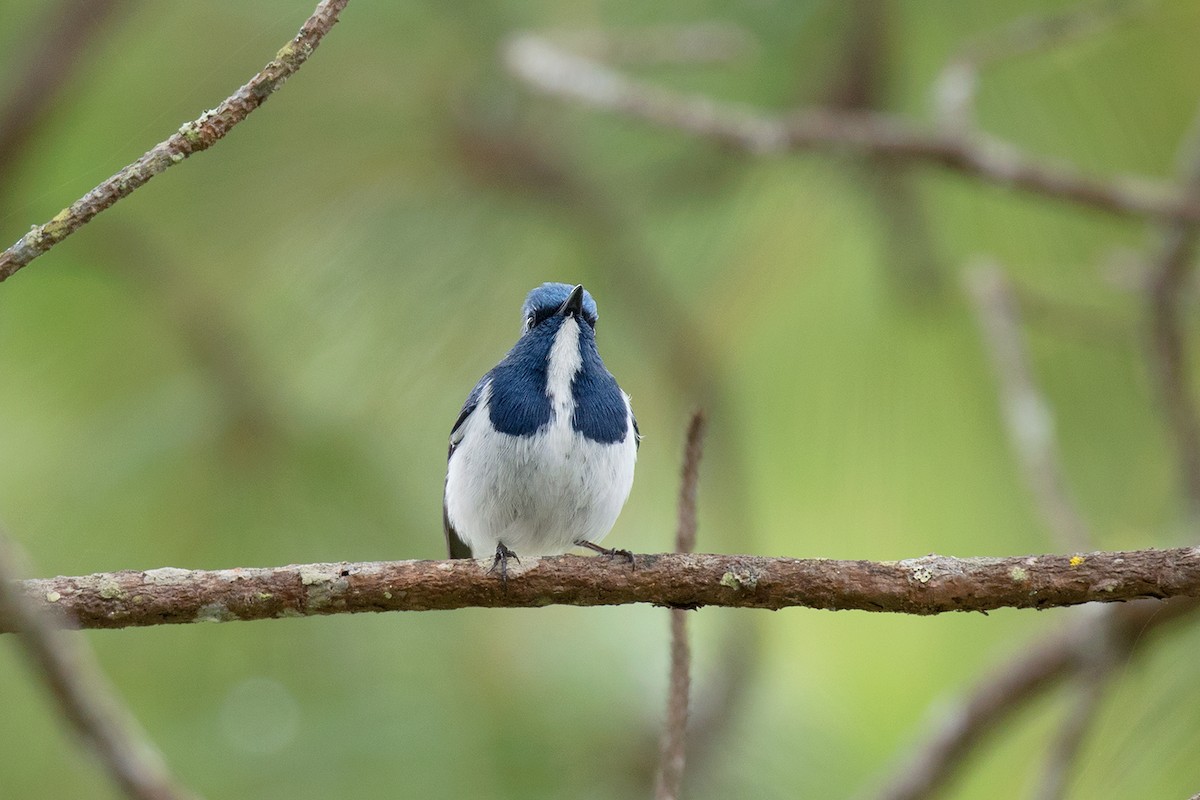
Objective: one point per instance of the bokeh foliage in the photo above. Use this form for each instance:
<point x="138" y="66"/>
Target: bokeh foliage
<point x="256" y="358"/>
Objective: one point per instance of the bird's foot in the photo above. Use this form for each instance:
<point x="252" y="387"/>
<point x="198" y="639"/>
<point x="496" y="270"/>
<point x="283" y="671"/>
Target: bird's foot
<point x="503" y="554"/>
<point x="608" y="551"/>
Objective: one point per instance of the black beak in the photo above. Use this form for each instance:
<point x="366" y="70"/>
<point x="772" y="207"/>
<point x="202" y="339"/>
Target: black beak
<point x="574" y="304"/>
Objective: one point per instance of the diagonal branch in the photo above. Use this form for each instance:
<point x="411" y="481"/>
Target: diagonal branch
<point x="964" y="723"/>
<point x="199" y="134"/>
<point x="1027" y="416"/>
<point x="78" y="687"/>
<point x="927" y="585"/>
<point x="553" y="71"/>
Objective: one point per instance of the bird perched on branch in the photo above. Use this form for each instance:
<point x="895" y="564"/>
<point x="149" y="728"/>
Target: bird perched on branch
<point x="542" y="453"/>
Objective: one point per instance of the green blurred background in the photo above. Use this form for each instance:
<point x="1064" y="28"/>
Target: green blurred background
<point x="255" y="360"/>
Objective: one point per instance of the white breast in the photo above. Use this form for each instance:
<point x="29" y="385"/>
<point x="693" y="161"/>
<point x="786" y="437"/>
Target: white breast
<point x="538" y="494"/>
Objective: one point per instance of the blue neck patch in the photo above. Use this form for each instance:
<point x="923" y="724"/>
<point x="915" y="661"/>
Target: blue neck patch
<point x="519" y="405"/>
<point x="599" y="406"/>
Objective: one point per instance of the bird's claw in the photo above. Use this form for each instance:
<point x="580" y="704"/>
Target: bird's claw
<point x="503" y="554"/>
<point x="608" y="551"/>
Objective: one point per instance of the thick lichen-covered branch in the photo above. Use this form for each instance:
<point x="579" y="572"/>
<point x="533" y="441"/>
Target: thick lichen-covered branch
<point x="927" y="585"/>
<point x="199" y="134"/>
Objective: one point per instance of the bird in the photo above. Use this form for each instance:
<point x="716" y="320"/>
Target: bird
<point x="542" y="454"/>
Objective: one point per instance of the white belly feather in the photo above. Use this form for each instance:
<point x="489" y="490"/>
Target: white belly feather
<point x="538" y="494"/>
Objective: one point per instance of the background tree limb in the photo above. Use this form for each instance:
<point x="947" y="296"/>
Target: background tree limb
<point x="77" y="685"/>
<point x="550" y="69"/>
<point x="961" y="725"/>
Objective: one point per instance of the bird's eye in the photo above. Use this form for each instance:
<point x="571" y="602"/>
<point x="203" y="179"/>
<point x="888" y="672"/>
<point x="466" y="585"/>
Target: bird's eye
<point x="528" y="322"/>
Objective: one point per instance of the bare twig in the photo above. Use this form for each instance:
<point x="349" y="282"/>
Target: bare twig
<point x="551" y="70"/>
<point x="192" y="137"/>
<point x="68" y="28"/>
<point x="1027" y="416"/>
<point x="927" y="585"/>
<point x="1171" y="268"/>
<point x="78" y="687"/>
<point x="1030" y="424"/>
<point x="685" y="530"/>
<point x="964" y="723"/>
<point x="672" y="749"/>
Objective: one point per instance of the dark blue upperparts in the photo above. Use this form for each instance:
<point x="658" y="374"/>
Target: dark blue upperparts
<point x="519" y="404"/>
<point x="599" y="406"/>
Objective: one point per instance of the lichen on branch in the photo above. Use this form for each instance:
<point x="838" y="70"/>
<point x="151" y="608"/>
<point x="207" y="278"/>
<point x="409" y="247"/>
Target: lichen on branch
<point x="192" y="137"/>
<point x="927" y="585"/>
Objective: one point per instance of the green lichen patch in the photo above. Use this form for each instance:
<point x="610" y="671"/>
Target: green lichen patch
<point x="109" y="589"/>
<point x="739" y="579"/>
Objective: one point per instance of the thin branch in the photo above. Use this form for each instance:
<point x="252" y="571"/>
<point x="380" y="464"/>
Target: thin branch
<point x="685" y="531"/>
<point x="199" y="134"/>
<point x="553" y="71"/>
<point x="1171" y="268"/>
<point x="998" y="696"/>
<point x="1027" y="416"/>
<point x="78" y="687"/>
<point x="672" y="749"/>
<point x="927" y="585"/>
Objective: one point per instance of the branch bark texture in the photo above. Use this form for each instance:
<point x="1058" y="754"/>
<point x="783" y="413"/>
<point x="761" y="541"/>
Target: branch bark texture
<point x="199" y="134"/>
<point x="928" y="585"/>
